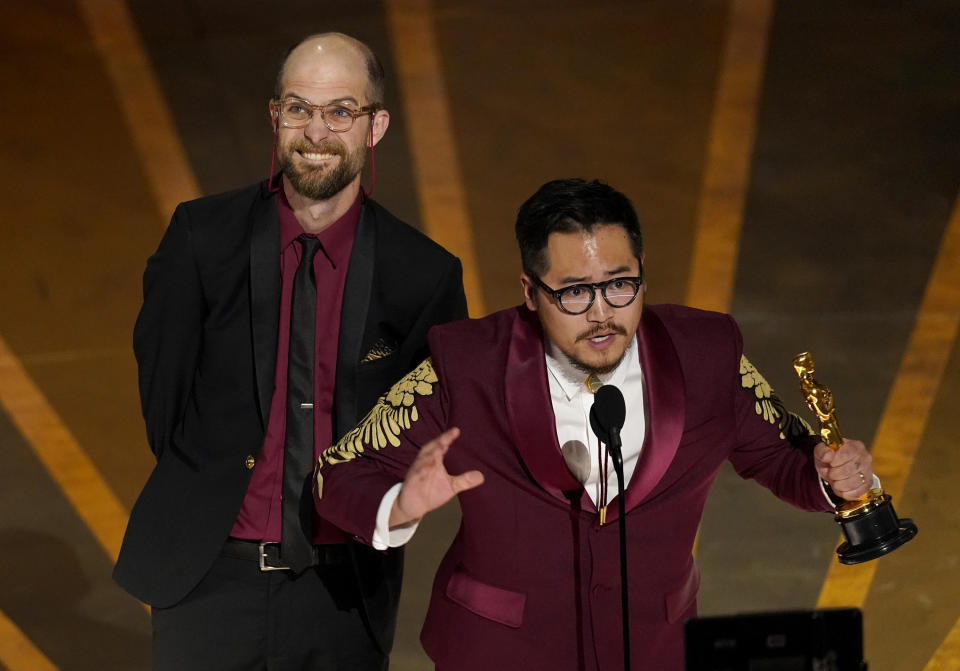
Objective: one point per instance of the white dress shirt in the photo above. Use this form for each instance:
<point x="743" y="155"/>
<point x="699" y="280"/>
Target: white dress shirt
<point x="571" y="406"/>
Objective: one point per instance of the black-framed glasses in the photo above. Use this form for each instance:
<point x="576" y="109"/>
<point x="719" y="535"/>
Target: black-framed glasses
<point x="578" y="298"/>
<point x="297" y="113"/>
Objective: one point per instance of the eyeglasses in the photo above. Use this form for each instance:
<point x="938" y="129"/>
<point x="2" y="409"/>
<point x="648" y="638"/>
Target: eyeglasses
<point x="297" y="113"/>
<point x="578" y="298"/>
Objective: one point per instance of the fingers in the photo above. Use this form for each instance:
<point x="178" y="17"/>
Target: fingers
<point x="823" y="454"/>
<point x="852" y="487"/>
<point x="464" y="481"/>
<point x="848" y="471"/>
<point x="434" y="451"/>
<point x="428" y="485"/>
<point x="853" y="459"/>
<point x="439" y="445"/>
<point x="447" y="437"/>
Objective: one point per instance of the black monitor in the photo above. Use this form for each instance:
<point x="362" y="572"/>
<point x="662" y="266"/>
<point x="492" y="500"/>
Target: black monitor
<point x="806" y="640"/>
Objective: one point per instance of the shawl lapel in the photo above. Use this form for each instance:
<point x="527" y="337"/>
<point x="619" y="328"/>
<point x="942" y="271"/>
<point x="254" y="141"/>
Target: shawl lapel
<point x="264" y="294"/>
<point x="664" y="395"/>
<point x="530" y="411"/>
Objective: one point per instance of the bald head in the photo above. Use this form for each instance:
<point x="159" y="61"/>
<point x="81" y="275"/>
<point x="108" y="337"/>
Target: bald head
<point x="351" y="53"/>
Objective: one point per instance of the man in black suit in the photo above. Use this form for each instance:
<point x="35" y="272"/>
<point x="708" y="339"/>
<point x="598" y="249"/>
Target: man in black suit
<point x="238" y="576"/>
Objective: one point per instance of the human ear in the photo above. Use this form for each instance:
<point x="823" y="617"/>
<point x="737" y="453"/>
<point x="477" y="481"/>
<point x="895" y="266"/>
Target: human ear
<point x="529" y="292"/>
<point x="379" y="122"/>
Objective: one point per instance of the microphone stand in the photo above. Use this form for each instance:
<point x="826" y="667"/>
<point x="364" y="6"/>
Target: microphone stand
<point x="607" y="416"/>
<point x="614" y="448"/>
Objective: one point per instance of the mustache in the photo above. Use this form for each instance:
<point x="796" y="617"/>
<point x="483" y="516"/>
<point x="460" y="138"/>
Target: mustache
<point x="609" y="327"/>
<point x="325" y="147"/>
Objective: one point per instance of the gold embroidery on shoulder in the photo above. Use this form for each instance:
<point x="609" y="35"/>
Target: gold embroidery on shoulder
<point x="750" y="378"/>
<point x="395" y="412"/>
<point x="769" y="406"/>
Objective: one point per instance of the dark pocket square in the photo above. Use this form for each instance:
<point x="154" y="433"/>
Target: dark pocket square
<point x="380" y="350"/>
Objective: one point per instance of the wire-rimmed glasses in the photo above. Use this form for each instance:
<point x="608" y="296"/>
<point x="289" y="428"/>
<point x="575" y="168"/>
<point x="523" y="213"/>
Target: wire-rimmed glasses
<point x="297" y="113"/>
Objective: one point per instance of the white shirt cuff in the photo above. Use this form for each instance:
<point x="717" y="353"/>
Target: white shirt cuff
<point x="383" y="536"/>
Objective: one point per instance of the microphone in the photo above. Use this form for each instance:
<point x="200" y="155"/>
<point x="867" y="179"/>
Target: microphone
<point x="607" y="415"/>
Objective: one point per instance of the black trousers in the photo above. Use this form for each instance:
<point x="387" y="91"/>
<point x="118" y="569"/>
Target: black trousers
<point x="241" y="619"/>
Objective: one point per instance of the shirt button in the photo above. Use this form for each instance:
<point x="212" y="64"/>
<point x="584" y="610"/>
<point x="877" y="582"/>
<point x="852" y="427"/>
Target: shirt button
<point x="249" y="462"/>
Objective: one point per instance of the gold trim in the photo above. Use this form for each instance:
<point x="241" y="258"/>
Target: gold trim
<point x="395" y="412"/>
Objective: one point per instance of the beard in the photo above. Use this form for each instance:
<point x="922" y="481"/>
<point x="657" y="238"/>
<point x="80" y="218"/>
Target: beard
<point x="320" y="182"/>
<point x="591" y="369"/>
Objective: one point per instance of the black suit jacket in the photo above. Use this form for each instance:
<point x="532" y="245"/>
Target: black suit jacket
<point x="206" y="347"/>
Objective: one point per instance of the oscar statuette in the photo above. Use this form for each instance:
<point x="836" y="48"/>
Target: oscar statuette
<point x="869" y="524"/>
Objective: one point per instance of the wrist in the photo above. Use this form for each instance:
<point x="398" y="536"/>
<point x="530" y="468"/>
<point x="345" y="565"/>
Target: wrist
<point x="399" y="518"/>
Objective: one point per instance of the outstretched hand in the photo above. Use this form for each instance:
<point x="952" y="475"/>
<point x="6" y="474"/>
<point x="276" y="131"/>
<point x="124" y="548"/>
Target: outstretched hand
<point x="428" y="485"/>
<point x="848" y="471"/>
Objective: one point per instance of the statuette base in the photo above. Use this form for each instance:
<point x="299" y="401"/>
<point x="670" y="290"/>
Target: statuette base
<point x="873" y="533"/>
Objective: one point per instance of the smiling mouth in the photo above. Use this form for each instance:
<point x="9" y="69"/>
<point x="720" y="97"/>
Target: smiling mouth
<point x="316" y="156"/>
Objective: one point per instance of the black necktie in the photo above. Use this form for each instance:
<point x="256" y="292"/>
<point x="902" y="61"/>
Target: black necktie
<point x="296" y="546"/>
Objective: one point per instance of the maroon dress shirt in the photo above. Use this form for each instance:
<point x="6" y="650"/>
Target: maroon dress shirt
<point x="260" y="515"/>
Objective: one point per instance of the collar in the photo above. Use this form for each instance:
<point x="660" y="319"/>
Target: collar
<point x="572" y="381"/>
<point x="336" y="239"/>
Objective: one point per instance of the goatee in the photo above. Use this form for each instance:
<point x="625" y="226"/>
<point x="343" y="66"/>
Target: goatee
<point x="318" y="183"/>
<point x="583" y="366"/>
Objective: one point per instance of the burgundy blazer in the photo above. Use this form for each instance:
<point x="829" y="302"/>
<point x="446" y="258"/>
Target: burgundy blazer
<point x="532" y="579"/>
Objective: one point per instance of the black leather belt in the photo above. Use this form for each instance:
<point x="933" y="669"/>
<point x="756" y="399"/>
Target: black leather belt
<point x="268" y="554"/>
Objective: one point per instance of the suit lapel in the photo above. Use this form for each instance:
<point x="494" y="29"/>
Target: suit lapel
<point x="353" y="318"/>
<point x="265" y="294"/>
<point x="664" y="396"/>
<point x="530" y="411"/>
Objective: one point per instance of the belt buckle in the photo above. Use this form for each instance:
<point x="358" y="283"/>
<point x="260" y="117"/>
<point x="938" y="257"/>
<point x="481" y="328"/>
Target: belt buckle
<point x="263" y="560"/>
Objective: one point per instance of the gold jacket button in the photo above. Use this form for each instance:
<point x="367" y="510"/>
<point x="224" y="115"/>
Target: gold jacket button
<point x="249" y="462"/>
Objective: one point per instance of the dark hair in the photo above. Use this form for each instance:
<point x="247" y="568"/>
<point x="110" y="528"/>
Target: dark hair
<point x="567" y="206"/>
<point x="375" y="74"/>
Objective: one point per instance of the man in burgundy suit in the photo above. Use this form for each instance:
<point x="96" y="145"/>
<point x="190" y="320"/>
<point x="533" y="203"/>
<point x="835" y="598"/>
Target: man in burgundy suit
<point x="532" y="578"/>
